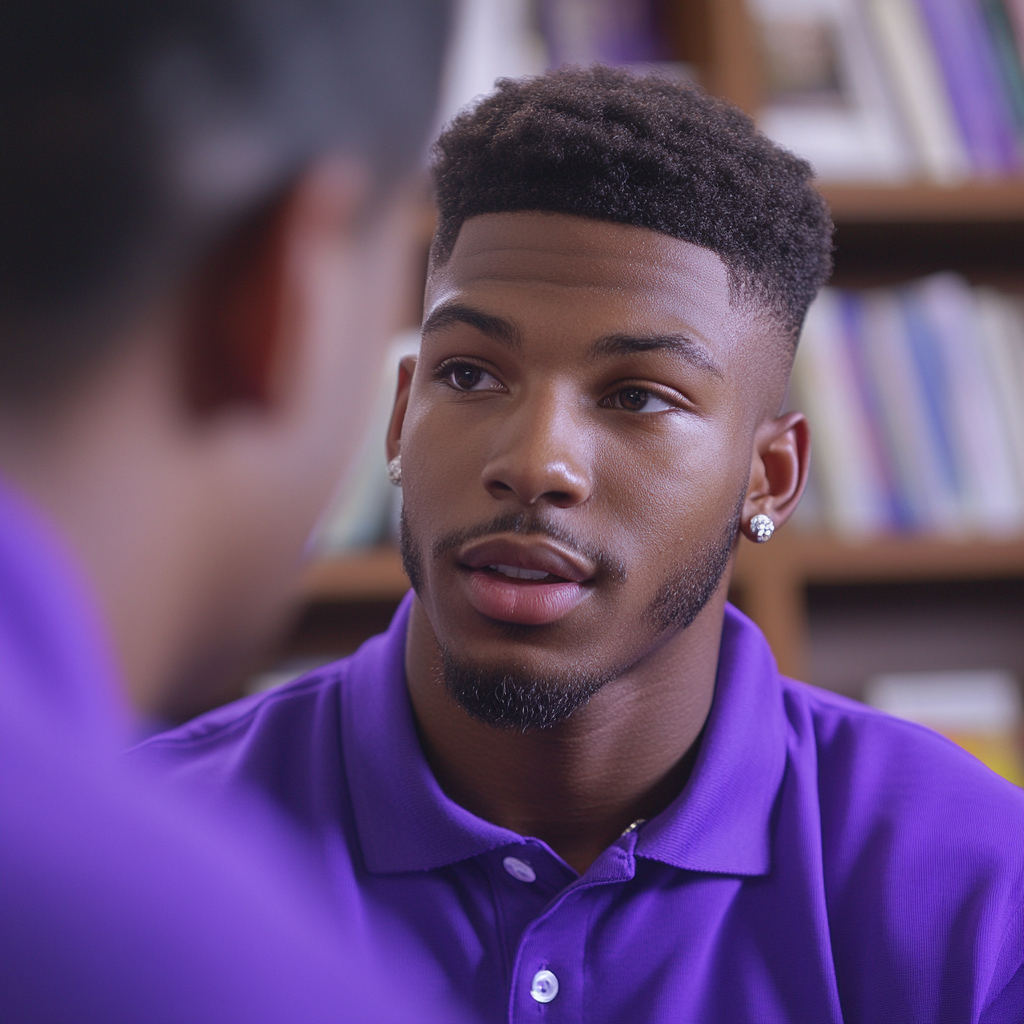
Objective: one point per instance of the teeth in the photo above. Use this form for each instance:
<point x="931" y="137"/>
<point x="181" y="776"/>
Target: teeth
<point x="519" y="574"/>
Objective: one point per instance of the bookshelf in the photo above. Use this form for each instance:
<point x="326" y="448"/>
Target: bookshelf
<point x="771" y="582"/>
<point x="820" y="600"/>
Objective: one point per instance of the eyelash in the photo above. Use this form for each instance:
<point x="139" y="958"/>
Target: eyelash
<point x="446" y="370"/>
<point x="444" y="373"/>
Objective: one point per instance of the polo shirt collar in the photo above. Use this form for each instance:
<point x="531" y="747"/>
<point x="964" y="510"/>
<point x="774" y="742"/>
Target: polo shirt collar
<point x="720" y="822"/>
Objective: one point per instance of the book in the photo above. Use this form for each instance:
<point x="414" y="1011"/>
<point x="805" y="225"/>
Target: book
<point x="971" y="74"/>
<point x="982" y="448"/>
<point x="1001" y="332"/>
<point x="616" y="32"/>
<point x="915" y="396"/>
<point x="1008" y="57"/>
<point x="827" y="96"/>
<point x="916" y="79"/>
<point x="853" y="492"/>
<point x="980" y="710"/>
<point x="929" y="494"/>
<point x="490" y="39"/>
<point x="362" y="510"/>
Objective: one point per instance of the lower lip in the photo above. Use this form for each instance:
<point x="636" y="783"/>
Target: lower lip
<point x="529" y="604"/>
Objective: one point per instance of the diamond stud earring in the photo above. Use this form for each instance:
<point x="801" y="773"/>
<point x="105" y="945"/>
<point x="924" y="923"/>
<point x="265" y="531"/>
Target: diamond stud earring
<point x="762" y="528"/>
<point x="395" y="471"/>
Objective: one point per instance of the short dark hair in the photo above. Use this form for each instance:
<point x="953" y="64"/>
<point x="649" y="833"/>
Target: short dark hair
<point x="137" y="133"/>
<point x="649" y="151"/>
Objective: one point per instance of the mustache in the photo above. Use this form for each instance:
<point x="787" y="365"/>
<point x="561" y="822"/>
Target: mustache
<point x="531" y="524"/>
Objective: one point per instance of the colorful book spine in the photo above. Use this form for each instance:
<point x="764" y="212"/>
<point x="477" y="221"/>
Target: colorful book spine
<point x="982" y="447"/>
<point x="854" y="496"/>
<point x="1008" y="58"/>
<point x="916" y="81"/>
<point x="897" y="513"/>
<point x="931" y="503"/>
<point x="971" y="73"/>
<point x="916" y="401"/>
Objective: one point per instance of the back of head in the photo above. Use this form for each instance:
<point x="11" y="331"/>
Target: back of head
<point x="136" y="134"/>
<point x="647" y="151"/>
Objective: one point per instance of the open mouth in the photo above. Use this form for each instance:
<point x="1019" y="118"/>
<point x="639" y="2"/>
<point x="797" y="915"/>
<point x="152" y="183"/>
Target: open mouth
<point x="516" y="572"/>
<point x="529" y="581"/>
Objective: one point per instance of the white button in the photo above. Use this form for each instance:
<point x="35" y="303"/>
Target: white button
<point x="544" y="987"/>
<point x="520" y="869"/>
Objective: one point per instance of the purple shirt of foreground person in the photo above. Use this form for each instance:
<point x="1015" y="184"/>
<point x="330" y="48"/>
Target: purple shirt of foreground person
<point x="119" y="905"/>
<point x="824" y="862"/>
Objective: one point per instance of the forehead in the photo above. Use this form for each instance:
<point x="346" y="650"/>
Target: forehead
<point x="590" y="274"/>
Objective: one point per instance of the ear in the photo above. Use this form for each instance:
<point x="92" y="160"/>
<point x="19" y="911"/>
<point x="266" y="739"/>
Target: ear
<point x="778" y="470"/>
<point x="406" y="369"/>
<point x="245" y="320"/>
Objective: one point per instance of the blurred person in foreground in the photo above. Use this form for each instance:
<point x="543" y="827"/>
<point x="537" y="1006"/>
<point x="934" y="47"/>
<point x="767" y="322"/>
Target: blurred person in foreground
<point x="570" y="773"/>
<point x="203" y="223"/>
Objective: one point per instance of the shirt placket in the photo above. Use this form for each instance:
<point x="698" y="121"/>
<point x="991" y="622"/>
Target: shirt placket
<point x="548" y="972"/>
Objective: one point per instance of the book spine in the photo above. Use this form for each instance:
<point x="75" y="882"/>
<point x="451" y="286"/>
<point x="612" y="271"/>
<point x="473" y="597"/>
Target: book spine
<point x="919" y="89"/>
<point x="898" y="514"/>
<point x="854" y="496"/>
<point x="1008" y="58"/>
<point x="975" y="92"/>
<point x="986" y="468"/>
<point x="1015" y="12"/>
<point x="931" y="505"/>
<point x="926" y="355"/>
<point x="1001" y="327"/>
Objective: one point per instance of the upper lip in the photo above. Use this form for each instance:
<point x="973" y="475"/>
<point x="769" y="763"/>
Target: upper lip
<point x="526" y="553"/>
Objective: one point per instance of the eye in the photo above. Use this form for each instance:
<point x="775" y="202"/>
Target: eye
<point x="468" y="377"/>
<point x="638" y="400"/>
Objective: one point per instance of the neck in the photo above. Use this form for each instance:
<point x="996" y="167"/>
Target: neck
<point x="624" y="756"/>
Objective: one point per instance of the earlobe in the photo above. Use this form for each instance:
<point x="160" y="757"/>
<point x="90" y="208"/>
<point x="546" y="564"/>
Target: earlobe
<point x="778" y="474"/>
<point x="406" y="370"/>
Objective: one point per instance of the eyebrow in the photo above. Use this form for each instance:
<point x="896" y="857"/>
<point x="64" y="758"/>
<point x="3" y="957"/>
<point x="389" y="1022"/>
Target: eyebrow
<point x="681" y="345"/>
<point x="495" y="327"/>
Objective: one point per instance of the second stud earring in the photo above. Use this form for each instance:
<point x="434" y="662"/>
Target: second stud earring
<point x="395" y="471"/>
<point x="761" y="528"/>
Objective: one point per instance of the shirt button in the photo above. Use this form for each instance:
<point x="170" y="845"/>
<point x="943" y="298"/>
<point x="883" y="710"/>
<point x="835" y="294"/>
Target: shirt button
<point x="544" y="987"/>
<point x="520" y="869"/>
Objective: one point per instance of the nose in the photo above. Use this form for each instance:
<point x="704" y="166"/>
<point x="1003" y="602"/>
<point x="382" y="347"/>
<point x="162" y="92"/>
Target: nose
<point x="541" y="455"/>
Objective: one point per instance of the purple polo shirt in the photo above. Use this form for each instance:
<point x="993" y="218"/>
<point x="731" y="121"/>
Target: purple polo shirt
<point x="120" y="902"/>
<point x="824" y="862"/>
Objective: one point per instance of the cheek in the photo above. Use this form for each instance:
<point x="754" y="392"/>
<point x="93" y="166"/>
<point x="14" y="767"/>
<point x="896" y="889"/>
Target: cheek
<point x="667" y="496"/>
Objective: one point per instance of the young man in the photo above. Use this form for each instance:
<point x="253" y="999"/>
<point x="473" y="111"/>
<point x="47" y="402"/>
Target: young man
<point x="201" y="230"/>
<point x="569" y="780"/>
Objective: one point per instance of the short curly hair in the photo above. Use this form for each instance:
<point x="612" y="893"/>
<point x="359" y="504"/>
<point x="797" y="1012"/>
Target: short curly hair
<point x="649" y="151"/>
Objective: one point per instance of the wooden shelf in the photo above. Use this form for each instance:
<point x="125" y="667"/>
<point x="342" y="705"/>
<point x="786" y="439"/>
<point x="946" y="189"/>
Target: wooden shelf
<point x="998" y="200"/>
<point x="374" y="575"/>
<point x="771" y="579"/>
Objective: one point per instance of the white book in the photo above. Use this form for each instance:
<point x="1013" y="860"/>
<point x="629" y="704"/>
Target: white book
<point x="934" y="500"/>
<point x="490" y="39"/>
<point x="828" y="99"/>
<point x="985" y="458"/>
<point x="361" y="511"/>
<point x="1001" y="324"/>
<point x="824" y="386"/>
<point x="920" y="88"/>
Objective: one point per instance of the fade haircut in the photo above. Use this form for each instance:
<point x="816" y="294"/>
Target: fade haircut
<point x="138" y="134"/>
<point x="648" y="151"/>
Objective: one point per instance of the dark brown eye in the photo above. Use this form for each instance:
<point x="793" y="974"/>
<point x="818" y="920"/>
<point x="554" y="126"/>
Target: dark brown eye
<point x="466" y="377"/>
<point x="633" y="399"/>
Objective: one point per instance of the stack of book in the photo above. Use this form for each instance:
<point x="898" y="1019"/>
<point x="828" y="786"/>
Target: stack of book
<point x="915" y="396"/>
<point x="891" y="90"/>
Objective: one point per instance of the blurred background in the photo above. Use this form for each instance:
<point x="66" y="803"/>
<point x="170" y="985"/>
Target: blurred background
<point x="901" y="580"/>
